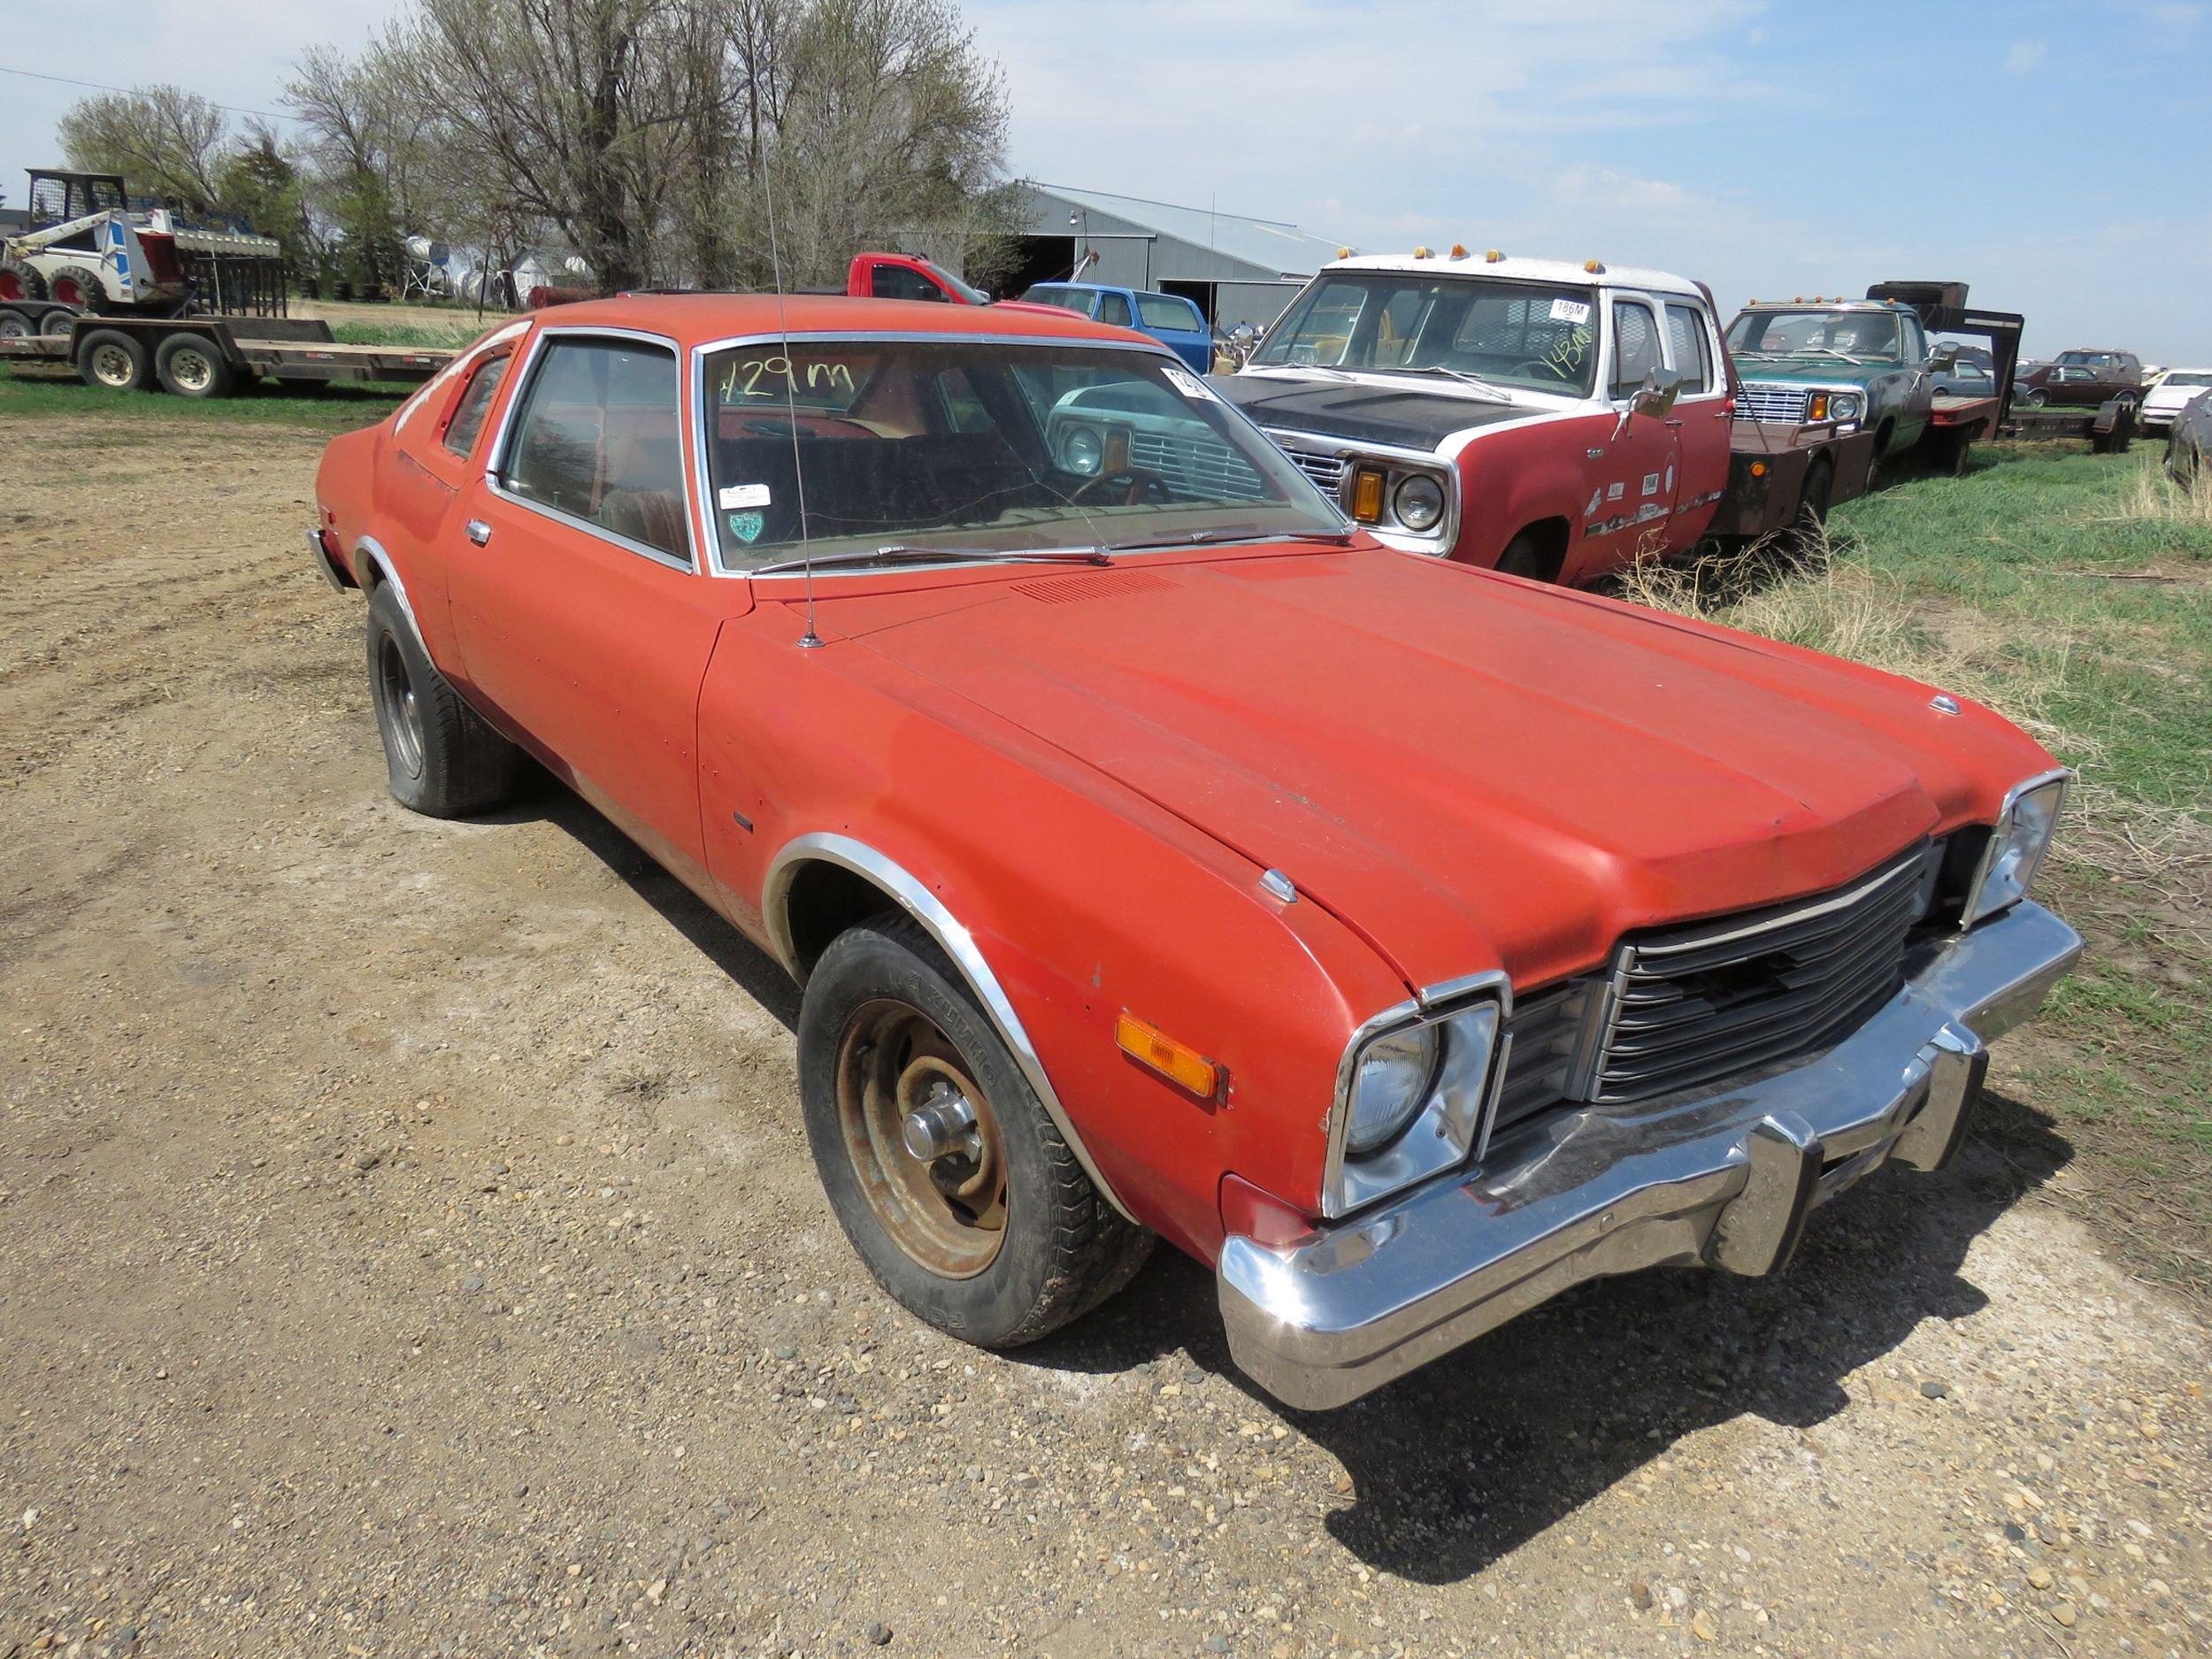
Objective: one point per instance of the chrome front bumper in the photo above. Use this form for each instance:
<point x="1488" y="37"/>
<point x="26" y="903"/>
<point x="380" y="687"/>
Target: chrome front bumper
<point x="1725" y="1180"/>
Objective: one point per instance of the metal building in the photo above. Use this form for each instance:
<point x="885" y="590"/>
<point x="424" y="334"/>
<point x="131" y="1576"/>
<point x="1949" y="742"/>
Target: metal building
<point x="1237" y="269"/>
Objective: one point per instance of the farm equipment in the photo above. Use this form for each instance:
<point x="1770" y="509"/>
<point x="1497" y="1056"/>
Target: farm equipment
<point x="87" y="247"/>
<point x="211" y="357"/>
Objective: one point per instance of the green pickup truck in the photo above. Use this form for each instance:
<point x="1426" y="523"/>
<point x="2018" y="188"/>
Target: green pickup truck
<point x="1863" y="364"/>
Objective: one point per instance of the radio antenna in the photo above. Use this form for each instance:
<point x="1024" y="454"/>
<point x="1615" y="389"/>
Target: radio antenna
<point x="809" y="641"/>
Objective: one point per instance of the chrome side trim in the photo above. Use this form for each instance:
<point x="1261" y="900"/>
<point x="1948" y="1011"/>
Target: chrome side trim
<point x="951" y="935"/>
<point x="323" y="563"/>
<point x="1723" y="1178"/>
<point x="372" y="550"/>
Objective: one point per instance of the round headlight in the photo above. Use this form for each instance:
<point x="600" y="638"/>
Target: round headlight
<point x="1844" y="406"/>
<point x="1082" y="452"/>
<point x="1394" y="1074"/>
<point x="1420" y="503"/>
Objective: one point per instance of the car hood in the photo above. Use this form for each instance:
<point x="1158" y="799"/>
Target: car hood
<point x="1817" y="372"/>
<point x="1363" y="411"/>
<point x="1470" y="771"/>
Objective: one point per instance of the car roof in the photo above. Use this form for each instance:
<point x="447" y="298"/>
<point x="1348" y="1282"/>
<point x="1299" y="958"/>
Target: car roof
<point x="693" y="319"/>
<point x="1836" y="304"/>
<point x="1515" y="270"/>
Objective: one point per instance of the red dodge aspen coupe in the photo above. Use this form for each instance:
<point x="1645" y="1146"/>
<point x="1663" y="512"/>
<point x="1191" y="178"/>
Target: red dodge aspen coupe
<point x="1159" y="855"/>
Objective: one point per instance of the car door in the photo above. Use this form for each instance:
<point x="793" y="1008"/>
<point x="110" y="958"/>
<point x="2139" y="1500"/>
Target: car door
<point x="1629" y="476"/>
<point x="1704" y="422"/>
<point x="581" y="613"/>
<point x="1916" y="392"/>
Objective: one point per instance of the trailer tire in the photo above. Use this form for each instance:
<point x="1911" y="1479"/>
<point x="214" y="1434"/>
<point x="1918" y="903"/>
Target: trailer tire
<point x="80" y="285"/>
<point x="57" y="324"/>
<point x="109" y="357"/>
<point x="193" y="365"/>
<point x="15" y="326"/>
<point x="21" y="280"/>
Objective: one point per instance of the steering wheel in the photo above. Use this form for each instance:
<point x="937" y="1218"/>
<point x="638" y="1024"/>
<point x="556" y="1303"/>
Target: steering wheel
<point x="1138" y="487"/>
<point x="1543" y="364"/>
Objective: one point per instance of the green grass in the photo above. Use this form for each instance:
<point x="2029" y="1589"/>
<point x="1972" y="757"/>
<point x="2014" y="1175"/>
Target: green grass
<point x="30" y="393"/>
<point x="2074" y="593"/>
<point x="455" y="334"/>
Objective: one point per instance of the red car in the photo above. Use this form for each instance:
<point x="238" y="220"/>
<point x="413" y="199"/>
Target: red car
<point x="1161" y="855"/>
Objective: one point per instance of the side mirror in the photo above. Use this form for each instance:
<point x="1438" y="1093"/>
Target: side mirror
<point x="1946" y="357"/>
<point x="1651" y="399"/>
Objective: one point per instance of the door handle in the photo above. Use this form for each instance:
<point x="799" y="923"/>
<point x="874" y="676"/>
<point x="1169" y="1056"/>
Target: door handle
<point x="477" y="531"/>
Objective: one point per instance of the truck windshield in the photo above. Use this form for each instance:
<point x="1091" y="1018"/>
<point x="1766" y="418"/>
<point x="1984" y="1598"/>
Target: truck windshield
<point x="1530" y="336"/>
<point x="1815" y="334"/>
<point x="1012" y="447"/>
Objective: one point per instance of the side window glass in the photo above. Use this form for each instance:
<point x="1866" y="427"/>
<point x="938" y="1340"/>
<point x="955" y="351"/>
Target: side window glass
<point x="1693" y="354"/>
<point x="476" y="402"/>
<point x="1114" y="308"/>
<point x="896" y="282"/>
<point x="597" y="438"/>
<point x="1635" y="346"/>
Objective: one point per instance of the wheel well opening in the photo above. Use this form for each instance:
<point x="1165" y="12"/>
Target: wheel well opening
<point x="1546" y="540"/>
<point x="823" y="900"/>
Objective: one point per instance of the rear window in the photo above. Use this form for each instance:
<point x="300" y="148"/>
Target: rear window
<point x="1165" y="311"/>
<point x="1077" y="300"/>
<point x="468" y="416"/>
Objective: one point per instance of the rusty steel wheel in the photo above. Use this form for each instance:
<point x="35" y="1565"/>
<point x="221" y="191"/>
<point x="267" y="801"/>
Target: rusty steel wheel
<point x="922" y="1138"/>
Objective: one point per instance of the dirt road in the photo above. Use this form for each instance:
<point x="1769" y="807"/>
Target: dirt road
<point x="407" y="1246"/>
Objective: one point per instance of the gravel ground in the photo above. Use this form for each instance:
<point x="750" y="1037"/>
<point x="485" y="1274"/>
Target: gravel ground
<point x="408" y="1246"/>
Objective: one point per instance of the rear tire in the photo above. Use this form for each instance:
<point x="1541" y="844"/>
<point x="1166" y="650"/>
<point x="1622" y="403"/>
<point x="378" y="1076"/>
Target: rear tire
<point x="2036" y="397"/>
<point x="21" y="280"/>
<point x="80" y="285"/>
<point x="997" y="1243"/>
<point x="193" y="365"/>
<point x="113" y="360"/>
<point x="441" y="758"/>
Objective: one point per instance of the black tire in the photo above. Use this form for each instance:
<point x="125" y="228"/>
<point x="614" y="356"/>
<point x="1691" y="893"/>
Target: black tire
<point x="114" y="360"/>
<point x="1525" y="556"/>
<point x="15" y="326"/>
<point x="2034" y="397"/>
<point x="193" y="365"/>
<point x="20" y="280"/>
<point x="441" y="758"/>
<point x="58" y="323"/>
<point x="1803" y="539"/>
<point x="1061" y="1247"/>
<point x="80" y="285"/>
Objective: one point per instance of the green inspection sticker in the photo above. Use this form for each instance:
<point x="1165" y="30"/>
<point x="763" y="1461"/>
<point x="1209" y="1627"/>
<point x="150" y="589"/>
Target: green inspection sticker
<point x="746" y="526"/>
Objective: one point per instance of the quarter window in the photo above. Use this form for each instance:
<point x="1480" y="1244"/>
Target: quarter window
<point x="1635" y="346"/>
<point x="596" y="439"/>
<point x="476" y="402"/>
<point x="1692" y="356"/>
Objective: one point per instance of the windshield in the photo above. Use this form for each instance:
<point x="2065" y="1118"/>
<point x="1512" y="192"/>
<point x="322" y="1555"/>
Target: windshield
<point x="1815" y="334"/>
<point x="1533" y="337"/>
<point x="998" y="446"/>
<point x="2190" y="376"/>
<point x="967" y="291"/>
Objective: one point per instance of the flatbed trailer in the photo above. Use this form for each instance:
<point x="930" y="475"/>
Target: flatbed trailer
<point x="1784" y="477"/>
<point x="213" y="357"/>
<point x="2110" y="428"/>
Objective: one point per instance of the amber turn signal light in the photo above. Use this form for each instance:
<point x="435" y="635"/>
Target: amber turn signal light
<point x="1817" y="408"/>
<point x="1367" y="494"/>
<point x="1177" y="1062"/>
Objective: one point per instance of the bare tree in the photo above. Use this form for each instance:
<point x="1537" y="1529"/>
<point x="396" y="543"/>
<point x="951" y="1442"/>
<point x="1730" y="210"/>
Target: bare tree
<point x="162" y="139"/>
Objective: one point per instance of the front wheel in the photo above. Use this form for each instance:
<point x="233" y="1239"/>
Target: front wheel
<point x="951" y="1181"/>
<point x="2035" y="399"/>
<point x="440" y="758"/>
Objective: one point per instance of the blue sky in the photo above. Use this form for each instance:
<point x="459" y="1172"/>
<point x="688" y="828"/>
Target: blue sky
<point x="1770" y="148"/>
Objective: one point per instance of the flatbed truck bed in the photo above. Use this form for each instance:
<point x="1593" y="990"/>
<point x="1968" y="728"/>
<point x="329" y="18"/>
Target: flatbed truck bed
<point x="211" y="357"/>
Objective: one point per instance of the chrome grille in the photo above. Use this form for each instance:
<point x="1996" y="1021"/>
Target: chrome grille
<point x="1546" y="1028"/>
<point x="1783" y="404"/>
<point x="1324" y="470"/>
<point x="1203" y="467"/>
<point x="1694" y="1004"/>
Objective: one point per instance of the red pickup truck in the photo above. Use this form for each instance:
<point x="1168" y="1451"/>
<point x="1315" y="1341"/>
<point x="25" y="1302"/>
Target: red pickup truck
<point x="1162" y="856"/>
<point x="1554" y="420"/>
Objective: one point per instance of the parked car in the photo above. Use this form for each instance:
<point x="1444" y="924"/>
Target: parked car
<point x="1170" y="319"/>
<point x="1159" y="855"/>
<point x="2189" y="439"/>
<point x="1857" y="360"/>
<point x="2165" y="398"/>
<point x="2080" y="377"/>
<point x="1554" y="420"/>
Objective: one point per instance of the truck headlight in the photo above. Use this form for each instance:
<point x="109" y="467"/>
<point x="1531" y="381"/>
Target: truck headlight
<point x="1082" y="450"/>
<point x="1845" y="406"/>
<point x="1415" y="1093"/>
<point x="2017" y="846"/>
<point x="1419" y="503"/>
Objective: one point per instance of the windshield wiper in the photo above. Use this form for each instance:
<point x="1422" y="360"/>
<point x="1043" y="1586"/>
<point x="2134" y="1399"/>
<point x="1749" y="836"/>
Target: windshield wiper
<point x="1496" y="394"/>
<point x="1830" y="351"/>
<point x="901" y="553"/>
<point x="1226" y="535"/>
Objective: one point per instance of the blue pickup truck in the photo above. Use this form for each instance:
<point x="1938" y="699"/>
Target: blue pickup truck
<point x="1169" y="318"/>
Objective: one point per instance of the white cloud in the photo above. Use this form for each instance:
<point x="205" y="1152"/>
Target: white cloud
<point x="2024" y="57"/>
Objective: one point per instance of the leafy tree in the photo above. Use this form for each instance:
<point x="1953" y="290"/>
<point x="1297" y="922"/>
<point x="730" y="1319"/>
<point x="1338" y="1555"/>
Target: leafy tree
<point x="164" y="141"/>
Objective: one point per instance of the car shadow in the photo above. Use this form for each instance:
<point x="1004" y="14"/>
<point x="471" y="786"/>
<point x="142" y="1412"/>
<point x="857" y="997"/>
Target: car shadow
<point x="541" y="798"/>
<point x="1463" y="1461"/>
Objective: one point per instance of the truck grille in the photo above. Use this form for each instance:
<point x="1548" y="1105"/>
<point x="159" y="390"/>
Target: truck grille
<point x="1202" y="467"/>
<point x="1697" y="1003"/>
<point x="1324" y="470"/>
<point x="1782" y="404"/>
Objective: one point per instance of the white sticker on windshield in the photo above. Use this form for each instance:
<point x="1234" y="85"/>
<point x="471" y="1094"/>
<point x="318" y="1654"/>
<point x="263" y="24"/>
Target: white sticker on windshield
<point x="743" y="495"/>
<point x="1564" y="310"/>
<point x="1184" y="381"/>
